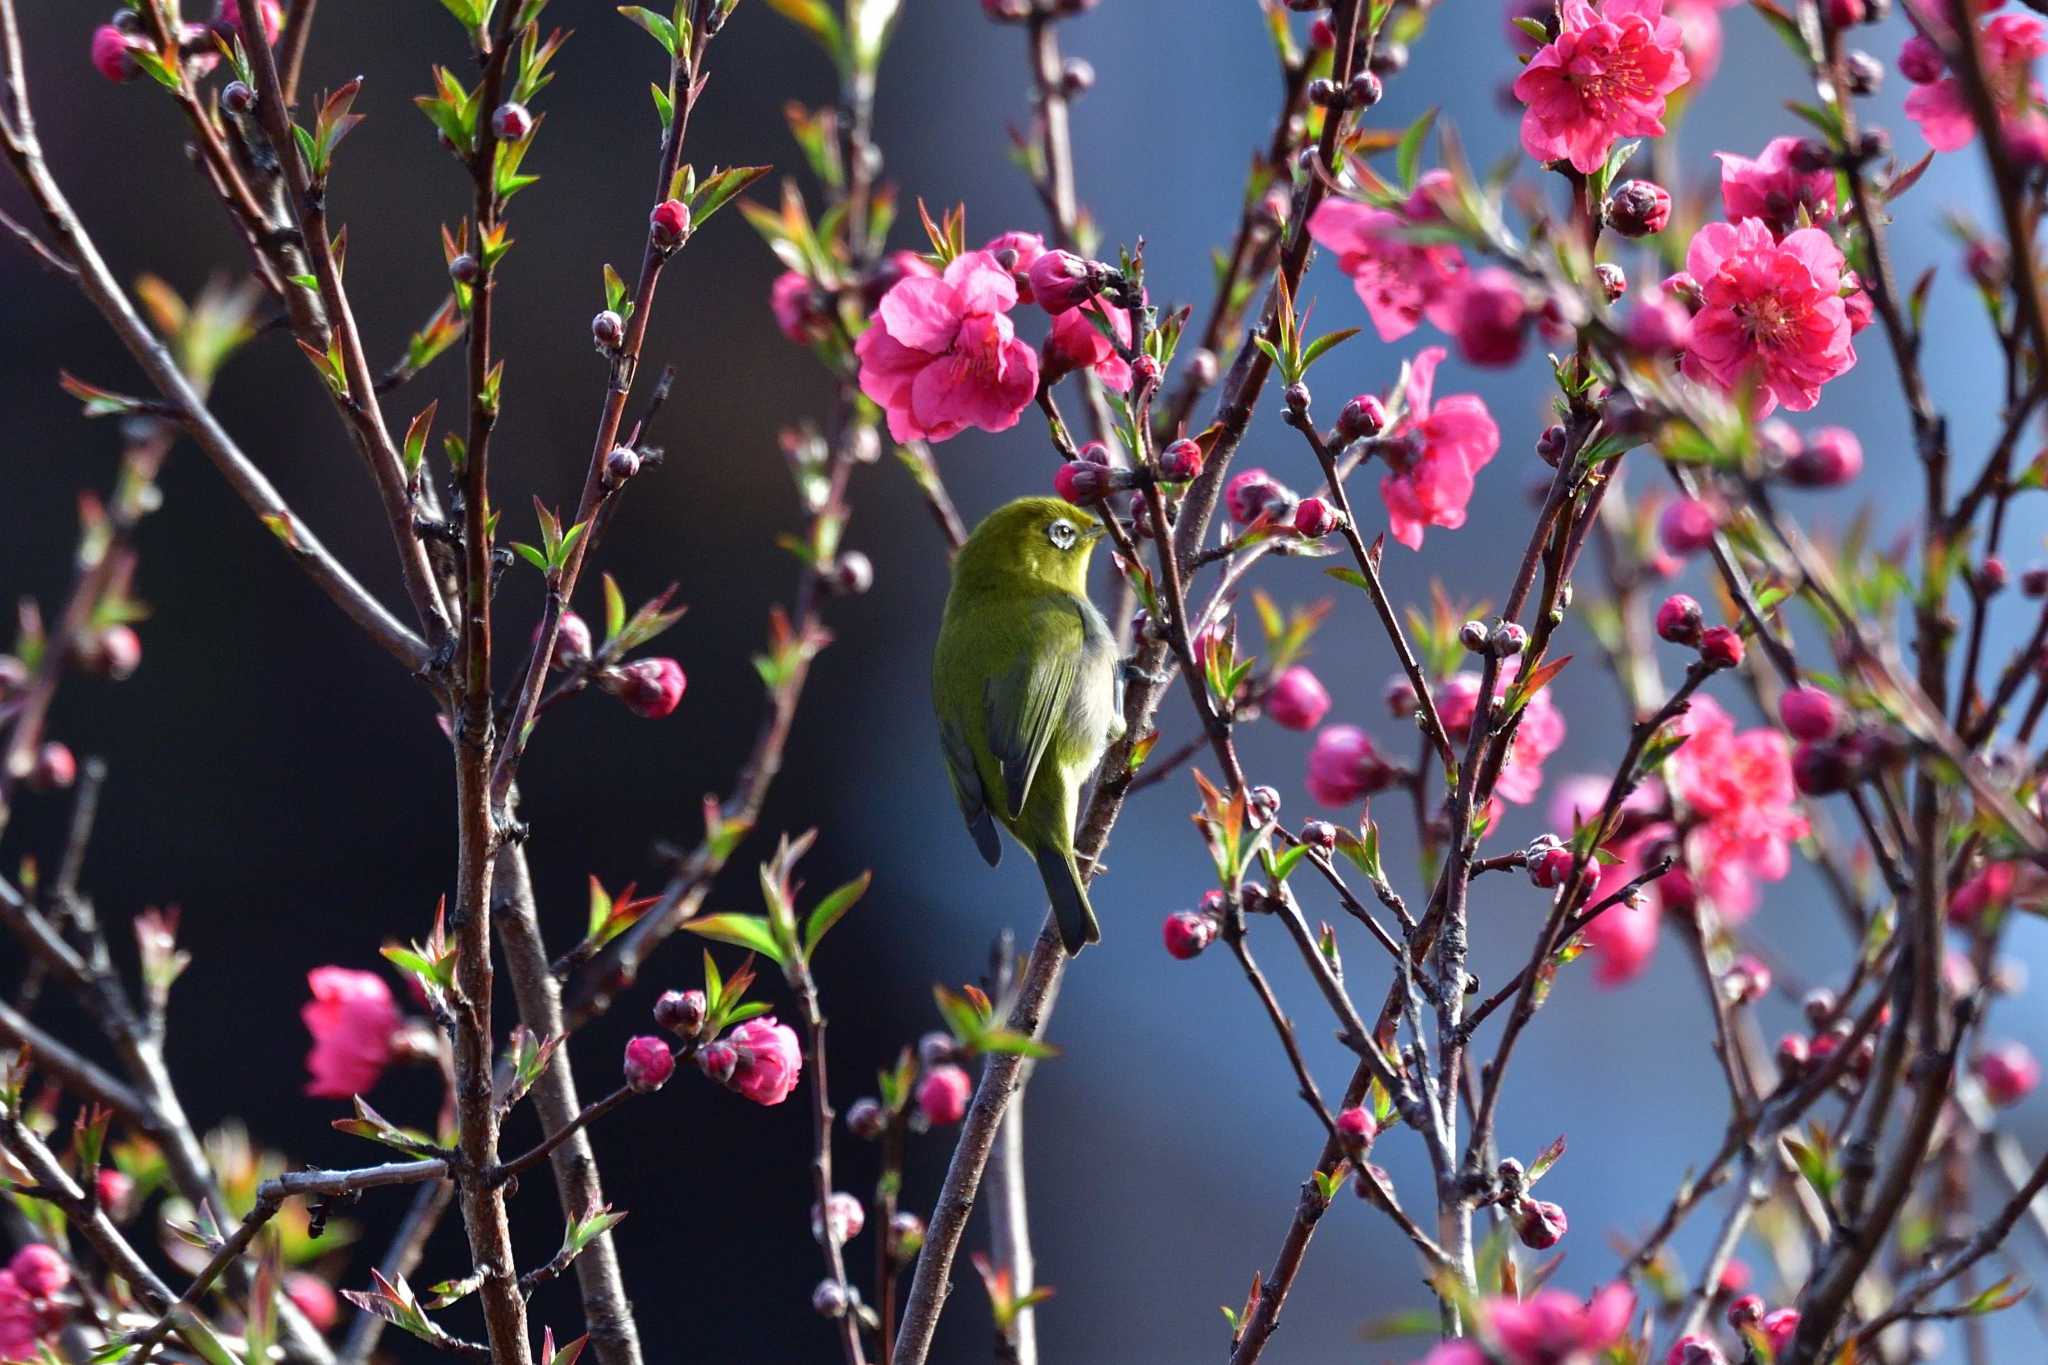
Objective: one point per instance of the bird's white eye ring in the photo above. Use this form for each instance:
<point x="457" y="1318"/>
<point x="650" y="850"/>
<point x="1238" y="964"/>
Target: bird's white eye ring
<point x="1062" y="534"/>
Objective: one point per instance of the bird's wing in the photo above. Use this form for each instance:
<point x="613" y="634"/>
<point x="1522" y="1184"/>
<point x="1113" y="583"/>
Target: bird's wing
<point x="1025" y="703"/>
<point x="967" y="790"/>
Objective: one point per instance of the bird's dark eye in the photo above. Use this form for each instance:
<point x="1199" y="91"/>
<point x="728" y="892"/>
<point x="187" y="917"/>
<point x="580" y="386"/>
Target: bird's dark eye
<point x="1062" y="534"/>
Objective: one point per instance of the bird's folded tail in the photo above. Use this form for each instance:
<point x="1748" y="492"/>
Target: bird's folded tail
<point x="1069" y="899"/>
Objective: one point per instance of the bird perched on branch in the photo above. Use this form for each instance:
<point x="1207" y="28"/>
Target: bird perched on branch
<point x="1026" y="683"/>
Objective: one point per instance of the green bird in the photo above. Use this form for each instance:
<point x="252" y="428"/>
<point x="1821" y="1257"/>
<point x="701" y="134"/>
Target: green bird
<point x="1027" y="685"/>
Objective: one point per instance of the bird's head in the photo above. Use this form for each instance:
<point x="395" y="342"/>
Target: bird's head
<point x="1045" y="539"/>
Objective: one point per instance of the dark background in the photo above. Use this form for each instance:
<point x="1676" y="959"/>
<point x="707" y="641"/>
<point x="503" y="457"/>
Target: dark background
<point x="277" y="778"/>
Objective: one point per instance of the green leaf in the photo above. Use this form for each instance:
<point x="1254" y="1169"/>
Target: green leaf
<point x="664" y="32"/>
<point x="663" y="106"/>
<point x="1344" y="574"/>
<point x="1315" y="350"/>
<point x="614" y="606"/>
<point x="1408" y="153"/>
<point x="716" y="189"/>
<point x="743" y="931"/>
<point x="832" y="909"/>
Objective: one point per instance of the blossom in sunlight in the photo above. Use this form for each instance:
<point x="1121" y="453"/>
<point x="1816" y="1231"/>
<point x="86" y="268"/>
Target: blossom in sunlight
<point x="1603" y="78"/>
<point x="1400" y="282"/>
<point x="1776" y="185"/>
<point x="1441" y="445"/>
<point x="1552" y="1326"/>
<point x="943" y="355"/>
<point x="1739" y="785"/>
<point x="2011" y="42"/>
<point x="352" y="1018"/>
<point x="1771" y="313"/>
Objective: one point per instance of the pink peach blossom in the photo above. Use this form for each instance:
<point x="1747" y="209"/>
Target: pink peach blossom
<point x="352" y="1018"/>
<point x="1624" y="937"/>
<point x="1770" y="187"/>
<point x="943" y="356"/>
<point x="1432" y="470"/>
<point x="1298" y="699"/>
<point x="1344" y="767"/>
<point x="1988" y="890"/>
<point x="1551" y="1326"/>
<point x="1400" y="282"/>
<point x="1604" y="78"/>
<point x="1771" y="313"/>
<point x="768" y="1060"/>
<point x="1699" y="26"/>
<point x="2011" y="42"/>
<point x="1740" y="785"/>
<point x="1075" y="344"/>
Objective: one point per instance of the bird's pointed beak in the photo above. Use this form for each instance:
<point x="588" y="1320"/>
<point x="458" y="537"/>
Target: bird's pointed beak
<point x="1093" y="532"/>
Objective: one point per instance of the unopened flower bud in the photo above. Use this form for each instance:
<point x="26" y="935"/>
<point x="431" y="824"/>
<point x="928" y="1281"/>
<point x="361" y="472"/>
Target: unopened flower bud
<point x="943" y="1094"/>
<point x="649" y="1064"/>
<point x="1365" y="415"/>
<point x="1203" y="367"/>
<point x="1399" y="698"/>
<point x="1296" y="397"/>
<point x="1989" y="580"/>
<point x="650" y="688"/>
<point x="1180" y="461"/>
<point x="115" y="652"/>
<point x="1322" y="34"/>
<point x="848" y="1218"/>
<point x="1687" y="526"/>
<point x="1779" y="1329"/>
<point x="680" y="1012"/>
<point x="1550" y="446"/>
<point x="1988" y="263"/>
<point x="1061" y="281"/>
<point x="1638" y="208"/>
<point x="1319" y="834"/>
<point x="1818" y="1005"/>
<point x="1746" y="1312"/>
<point x="830" y="1299"/>
<point x="1314" y="518"/>
<point x="1389" y="59"/>
<point x="111" y="55"/>
<point x="1251" y="492"/>
<point x="1144" y="373"/>
<point x="1830" y="457"/>
<point x="1077" y="77"/>
<point x="1792" y="1055"/>
<point x="1540" y="1224"/>
<point x="906" y="1236"/>
<point x="55" y="768"/>
<point x="1748" y="980"/>
<point x="852" y="574"/>
<point x="510" y="122"/>
<point x="621" y="465"/>
<point x="2034" y="582"/>
<point x="1365" y="90"/>
<point x="464" y="269"/>
<point x="1809" y="713"/>
<point x="1322" y="92"/>
<point x="1264" y="804"/>
<point x="1550" y="863"/>
<point x="1720" y="647"/>
<point x="1679" y="619"/>
<point x="2009" y="1073"/>
<point x="1297" y="699"/>
<point x="1187" y="934"/>
<point x="1080" y="481"/>
<point x="1613" y="280"/>
<point x="1508" y="639"/>
<point x="237" y="98"/>
<point x="608" y="329"/>
<point x="1356" y="1129"/>
<point x="866" y="1119"/>
<point x="718" y="1060"/>
<point x="936" y="1048"/>
<point x="669" y="223"/>
<point x="1474" y="636"/>
<point x="1810" y="157"/>
<point x="1865" y="73"/>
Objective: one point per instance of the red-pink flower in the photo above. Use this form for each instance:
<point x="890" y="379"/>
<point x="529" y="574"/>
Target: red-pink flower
<point x="1492" y="318"/>
<point x="1740" y="785"/>
<point x="943" y="356"/>
<point x="352" y="1018"/>
<point x="943" y="1094"/>
<point x="1603" y="78"/>
<point x="40" y="1270"/>
<point x="1771" y="313"/>
<point x="314" y="1297"/>
<point x="1344" y="767"/>
<point x="1537" y="737"/>
<point x="1298" y="700"/>
<point x="1399" y="282"/>
<point x="1770" y="187"/>
<point x="2008" y="1070"/>
<point x="1028" y="246"/>
<point x="20" y="1323"/>
<point x="768" y="1060"/>
<point x="1460" y="1352"/>
<point x="1988" y="890"/>
<point x="794" y="304"/>
<point x="1431" y="471"/>
<point x="1551" y="1327"/>
<point x="1624" y="937"/>
<point x="2011" y="42"/>
<point x="1075" y="344"/>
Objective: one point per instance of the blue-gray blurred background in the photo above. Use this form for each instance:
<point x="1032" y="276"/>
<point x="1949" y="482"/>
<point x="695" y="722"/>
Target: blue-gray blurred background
<point x="279" y="780"/>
